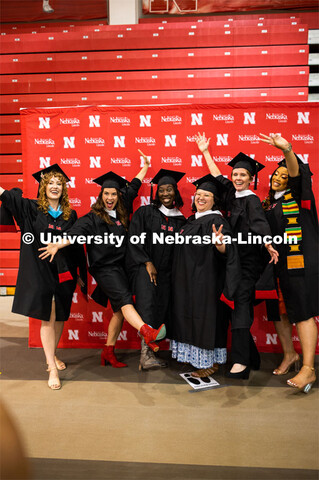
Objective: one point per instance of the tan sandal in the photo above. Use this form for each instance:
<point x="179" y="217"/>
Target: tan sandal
<point x="304" y="387"/>
<point x="54" y="384"/>
<point x="205" y="372"/>
<point x="59" y="364"/>
<point x="295" y="361"/>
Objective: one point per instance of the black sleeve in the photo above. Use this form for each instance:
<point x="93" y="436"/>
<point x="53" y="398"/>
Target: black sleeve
<point x="301" y="186"/>
<point x="18" y="206"/>
<point x="225" y="181"/>
<point x="138" y="253"/>
<point x="83" y="226"/>
<point x="76" y="253"/>
<point x="256" y="216"/>
<point x="130" y="193"/>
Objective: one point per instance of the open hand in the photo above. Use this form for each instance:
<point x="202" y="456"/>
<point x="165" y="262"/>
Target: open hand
<point x="202" y="142"/>
<point x="275" y="140"/>
<point x="49" y="251"/>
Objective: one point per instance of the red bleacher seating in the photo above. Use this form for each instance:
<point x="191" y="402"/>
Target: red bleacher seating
<point x="156" y="80"/>
<point x="8" y="276"/>
<point x="10" y="164"/>
<point x="311" y="18"/>
<point x="10" y="259"/>
<point x="9" y="241"/>
<point x="10" y="124"/>
<point x="10" y="143"/>
<point x="203" y="35"/>
<point x="11" y="181"/>
<point x="280" y="55"/>
<point x="10" y="103"/>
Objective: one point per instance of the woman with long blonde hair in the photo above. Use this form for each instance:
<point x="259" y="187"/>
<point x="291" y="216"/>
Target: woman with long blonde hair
<point x="44" y="290"/>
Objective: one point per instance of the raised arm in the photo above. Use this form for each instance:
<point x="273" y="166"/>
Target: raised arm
<point x="141" y="174"/>
<point x="282" y="144"/>
<point x="203" y="145"/>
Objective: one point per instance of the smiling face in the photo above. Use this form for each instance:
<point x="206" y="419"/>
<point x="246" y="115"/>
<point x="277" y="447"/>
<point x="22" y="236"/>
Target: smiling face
<point x="166" y="195"/>
<point x="204" y="200"/>
<point x="54" y="189"/>
<point x="110" y="198"/>
<point x="241" y="179"/>
<point x="279" y="179"/>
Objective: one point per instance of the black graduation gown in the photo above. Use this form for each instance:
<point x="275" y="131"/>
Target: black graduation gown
<point x="299" y="288"/>
<point x="200" y="276"/>
<point x="245" y="216"/>
<point x="153" y="303"/>
<point x="38" y="279"/>
<point x="106" y="260"/>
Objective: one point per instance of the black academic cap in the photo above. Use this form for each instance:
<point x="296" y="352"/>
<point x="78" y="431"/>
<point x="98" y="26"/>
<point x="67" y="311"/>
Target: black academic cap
<point x="53" y="168"/>
<point x="111" y="180"/>
<point x="167" y="177"/>
<point x="210" y="184"/>
<point x="283" y="163"/>
<point x="243" y="161"/>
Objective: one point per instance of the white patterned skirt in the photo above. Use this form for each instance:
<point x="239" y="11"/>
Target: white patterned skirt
<point x="198" y="357"/>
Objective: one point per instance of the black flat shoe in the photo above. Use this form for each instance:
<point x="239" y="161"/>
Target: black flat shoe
<point x="244" y="374"/>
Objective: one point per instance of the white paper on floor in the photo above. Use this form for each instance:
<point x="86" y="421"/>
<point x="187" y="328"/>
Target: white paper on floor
<point x="198" y="383"/>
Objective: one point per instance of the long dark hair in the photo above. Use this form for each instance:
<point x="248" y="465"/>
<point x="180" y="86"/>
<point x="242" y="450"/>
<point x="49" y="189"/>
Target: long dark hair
<point x="178" y="201"/>
<point x="269" y="200"/>
<point x="99" y="209"/>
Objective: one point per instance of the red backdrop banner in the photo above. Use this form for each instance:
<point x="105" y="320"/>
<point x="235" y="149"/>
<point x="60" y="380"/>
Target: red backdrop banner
<point x="88" y="141"/>
<point x="180" y="7"/>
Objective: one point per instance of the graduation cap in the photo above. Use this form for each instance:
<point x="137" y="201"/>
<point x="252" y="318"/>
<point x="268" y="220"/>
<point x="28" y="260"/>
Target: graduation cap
<point x="243" y="161"/>
<point x="210" y="184"/>
<point x="53" y="168"/>
<point x="111" y="180"/>
<point x="166" y="177"/>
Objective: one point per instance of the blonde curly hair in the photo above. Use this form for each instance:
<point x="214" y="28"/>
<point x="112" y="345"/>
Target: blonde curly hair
<point x="43" y="202"/>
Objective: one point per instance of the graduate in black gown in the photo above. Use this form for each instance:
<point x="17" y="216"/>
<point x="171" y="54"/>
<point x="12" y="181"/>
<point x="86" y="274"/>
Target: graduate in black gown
<point x="44" y="290"/>
<point x="205" y="269"/>
<point x="246" y="217"/>
<point x="149" y="263"/>
<point x="108" y="220"/>
<point x="290" y="209"/>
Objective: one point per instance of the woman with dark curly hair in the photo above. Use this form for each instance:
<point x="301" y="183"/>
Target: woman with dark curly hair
<point x="291" y="210"/>
<point x="108" y="219"/>
<point x="44" y="290"/>
<point x="149" y="263"/>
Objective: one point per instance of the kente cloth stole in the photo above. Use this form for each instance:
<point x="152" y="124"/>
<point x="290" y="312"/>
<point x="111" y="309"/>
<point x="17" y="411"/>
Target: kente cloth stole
<point x="295" y="258"/>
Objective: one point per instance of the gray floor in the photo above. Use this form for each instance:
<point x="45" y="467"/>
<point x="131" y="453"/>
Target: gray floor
<point x="110" y="423"/>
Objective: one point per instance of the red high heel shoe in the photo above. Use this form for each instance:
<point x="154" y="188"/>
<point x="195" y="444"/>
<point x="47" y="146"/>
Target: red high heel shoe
<point x="150" y="335"/>
<point x="108" y="356"/>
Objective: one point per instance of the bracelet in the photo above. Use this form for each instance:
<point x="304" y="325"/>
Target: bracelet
<point x="288" y="149"/>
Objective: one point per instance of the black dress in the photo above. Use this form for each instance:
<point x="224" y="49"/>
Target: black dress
<point x="153" y="303"/>
<point x="246" y="216"/>
<point x="201" y="275"/>
<point x="299" y="287"/>
<point x="38" y="280"/>
<point x="106" y="259"/>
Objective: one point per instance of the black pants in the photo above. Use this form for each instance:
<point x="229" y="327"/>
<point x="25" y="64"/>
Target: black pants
<point x="243" y="349"/>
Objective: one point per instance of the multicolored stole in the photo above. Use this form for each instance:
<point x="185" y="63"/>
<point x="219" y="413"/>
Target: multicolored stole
<point x="295" y="258"/>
